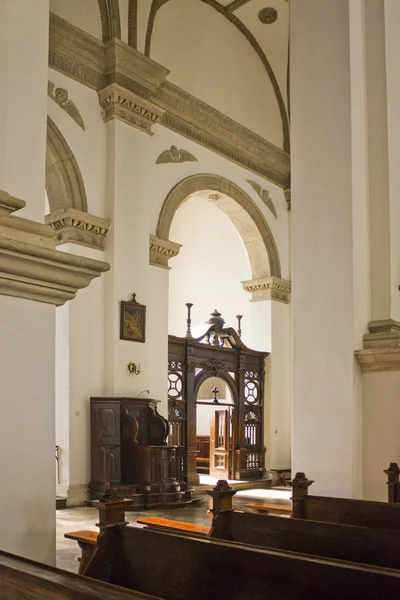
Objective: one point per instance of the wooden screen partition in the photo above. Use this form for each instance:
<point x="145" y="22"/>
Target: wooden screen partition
<point x="218" y="352"/>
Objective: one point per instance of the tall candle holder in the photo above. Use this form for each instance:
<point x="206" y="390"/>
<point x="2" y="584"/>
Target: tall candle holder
<point x="189" y="320"/>
<point x="239" y="318"/>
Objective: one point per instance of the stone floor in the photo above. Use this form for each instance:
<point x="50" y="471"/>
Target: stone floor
<point x="76" y="519"/>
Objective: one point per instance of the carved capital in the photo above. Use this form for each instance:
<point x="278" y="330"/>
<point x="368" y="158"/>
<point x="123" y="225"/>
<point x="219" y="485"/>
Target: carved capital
<point x="119" y="103"/>
<point x="74" y="226"/>
<point x="268" y="288"/>
<point x="31" y="267"/>
<point x="161" y="251"/>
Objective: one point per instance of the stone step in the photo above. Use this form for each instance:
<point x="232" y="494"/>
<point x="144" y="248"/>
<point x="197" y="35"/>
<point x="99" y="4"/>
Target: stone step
<point x="61" y="503"/>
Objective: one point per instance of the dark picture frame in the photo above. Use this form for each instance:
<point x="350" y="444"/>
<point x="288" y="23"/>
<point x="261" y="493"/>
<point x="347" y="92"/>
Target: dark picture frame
<point x="133" y="321"/>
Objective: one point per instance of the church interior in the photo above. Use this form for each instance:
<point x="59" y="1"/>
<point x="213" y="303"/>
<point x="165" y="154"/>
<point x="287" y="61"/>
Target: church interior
<point x="200" y="299"/>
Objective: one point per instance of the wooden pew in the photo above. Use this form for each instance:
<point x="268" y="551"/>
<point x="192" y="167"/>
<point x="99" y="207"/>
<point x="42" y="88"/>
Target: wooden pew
<point x="178" y="567"/>
<point x="361" y="513"/>
<point x="171" y="525"/>
<point x="22" y="579"/>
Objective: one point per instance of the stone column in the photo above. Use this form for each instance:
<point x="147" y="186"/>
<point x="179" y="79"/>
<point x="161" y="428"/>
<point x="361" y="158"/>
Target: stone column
<point x="34" y="278"/>
<point x="270" y="331"/>
<point x="324" y="411"/>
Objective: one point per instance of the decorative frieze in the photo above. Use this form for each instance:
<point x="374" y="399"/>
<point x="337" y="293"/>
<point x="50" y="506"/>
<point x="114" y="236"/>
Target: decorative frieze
<point x="268" y="288"/>
<point x="74" y="226"/>
<point x="161" y="251"/>
<point x="120" y="103"/>
<point x="131" y="69"/>
<point x="86" y="59"/>
<point x="31" y="267"/>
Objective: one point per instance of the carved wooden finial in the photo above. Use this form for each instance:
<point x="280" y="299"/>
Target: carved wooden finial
<point x="299" y="485"/>
<point x="393" y="473"/>
<point x="222" y="495"/>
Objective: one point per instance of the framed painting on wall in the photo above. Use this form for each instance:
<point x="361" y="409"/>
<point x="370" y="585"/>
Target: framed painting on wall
<point x="133" y="321"/>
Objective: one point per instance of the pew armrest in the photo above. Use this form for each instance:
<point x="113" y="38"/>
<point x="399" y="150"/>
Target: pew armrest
<point x="177" y="526"/>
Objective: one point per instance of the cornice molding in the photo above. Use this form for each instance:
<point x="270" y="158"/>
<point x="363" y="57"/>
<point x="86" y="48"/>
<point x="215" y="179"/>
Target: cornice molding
<point x="268" y="288"/>
<point x="378" y="359"/>
<point x="9" y="204"/>
<point x="198" y="121"/>
<point x="119" y="103"/>
<point x="31" y="267"/>
<point x="84" y="58"/>
<point x="77" y="227"/>
<point x="161" y="251"/>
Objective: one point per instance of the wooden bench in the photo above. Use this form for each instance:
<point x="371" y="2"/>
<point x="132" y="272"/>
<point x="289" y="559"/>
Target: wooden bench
<point x="22" y="579"/>
<point x="362" y="513"/>
<point x="87" y="540"/>
<point x="170" y="525"/>
<point x="182" y="567"/>
<point x="271" y="509"/>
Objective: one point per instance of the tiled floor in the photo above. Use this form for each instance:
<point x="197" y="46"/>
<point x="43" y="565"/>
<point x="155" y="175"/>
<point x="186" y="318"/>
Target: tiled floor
<point x="75" y="519"/>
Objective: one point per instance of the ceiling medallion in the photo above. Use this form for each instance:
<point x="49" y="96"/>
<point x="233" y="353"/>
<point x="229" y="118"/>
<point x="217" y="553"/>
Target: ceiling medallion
<point x="268" y="15"/>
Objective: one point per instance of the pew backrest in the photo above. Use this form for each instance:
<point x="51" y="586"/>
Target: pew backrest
<point x="181" y="567"/>
<point x="28" y="580"/>
<point x="361" y="513"/>
<point x="344" y="542"/>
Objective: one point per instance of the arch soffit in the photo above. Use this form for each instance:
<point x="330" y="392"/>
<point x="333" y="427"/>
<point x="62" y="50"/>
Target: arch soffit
<point x="239" y="208"/>
<point x="240" y="26"/>
<point x="64" y="182"/>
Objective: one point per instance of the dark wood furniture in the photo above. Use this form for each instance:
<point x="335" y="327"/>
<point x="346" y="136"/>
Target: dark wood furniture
<point x="219" y="352"/>
<point x="180" y="567"/>
<point x="22" y="579"/>
<point x="130" y="456"/>
<point x="362" y="513"/>
<point x="203" y="456"/>
<point x="393" y="473"/>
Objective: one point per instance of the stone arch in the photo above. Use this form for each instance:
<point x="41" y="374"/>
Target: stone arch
<point x="64" y="183"/>
<point x="110" y="19"/>
<point x="239" y="208"/>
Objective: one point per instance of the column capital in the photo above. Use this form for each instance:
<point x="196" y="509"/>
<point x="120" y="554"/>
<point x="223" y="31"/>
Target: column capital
<point x="381" y="350"/>
<point x="161" y="251"/>
<point x="268" y="288"/>
<point x="384" y="333"/>
<point x="120" y="103"/>
<point x="78" y="227"/>
<point x="31" y="267"/>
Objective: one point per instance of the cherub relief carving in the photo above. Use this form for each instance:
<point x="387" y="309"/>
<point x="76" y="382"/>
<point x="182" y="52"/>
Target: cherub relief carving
<point x="174" y="155"/>
<point x="264" y="195"/>
<point x="60" y="97"/>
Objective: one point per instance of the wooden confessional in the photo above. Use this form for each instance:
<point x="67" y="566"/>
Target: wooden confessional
<point x="236" y="447"/>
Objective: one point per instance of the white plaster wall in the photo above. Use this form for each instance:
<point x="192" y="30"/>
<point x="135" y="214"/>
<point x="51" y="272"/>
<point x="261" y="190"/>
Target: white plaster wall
<point x="27" y="468"/>
<point x="381" y="441"/>
<point x="209" y="268"/>
<point x="210" y="59"/>
<point x="83" y="14"/>
<point x="89" y="146"/>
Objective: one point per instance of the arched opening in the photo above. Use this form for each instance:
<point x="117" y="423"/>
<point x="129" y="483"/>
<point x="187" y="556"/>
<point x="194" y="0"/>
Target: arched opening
<point x="64" y="182"/>
<point x="239" y="208"/>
